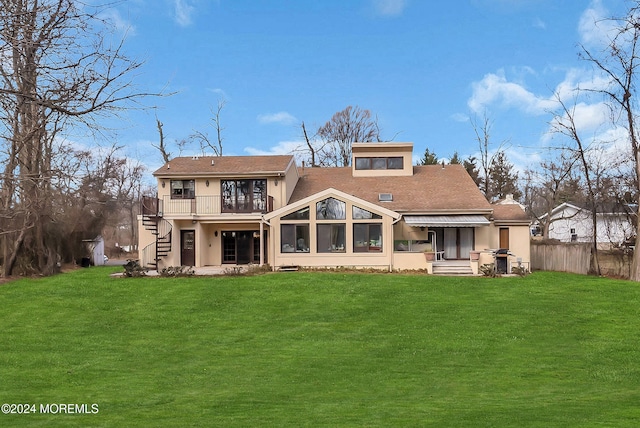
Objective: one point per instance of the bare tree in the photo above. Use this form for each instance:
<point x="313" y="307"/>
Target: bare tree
<point x="348" y="126"/>
<point x="487" y="156"/>
<point x="58" y="69"/>
<point x="546" y="187"/>
<point x="203" y="138"/>
<point x="162" y="147"/>
<point x="618" y="62"/>
<point x="565" y="124"/>
<point x="310" y="147"/>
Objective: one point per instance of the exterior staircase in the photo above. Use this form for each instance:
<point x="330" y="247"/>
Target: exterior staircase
<point x="153" y="221"/>
<point x="452" y="268"/>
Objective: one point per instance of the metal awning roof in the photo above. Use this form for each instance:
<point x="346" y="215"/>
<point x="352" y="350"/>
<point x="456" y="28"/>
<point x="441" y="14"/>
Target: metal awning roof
<point x="446" y="220"/>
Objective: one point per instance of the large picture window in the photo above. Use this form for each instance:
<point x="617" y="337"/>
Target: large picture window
<point x="331" y="238"/>
<point x="244" y="195"/>
<point x="183" y="189"/>
<point x="294" y="238"/>
<point x="331" y="209"/>
<point x="367" y="237"/>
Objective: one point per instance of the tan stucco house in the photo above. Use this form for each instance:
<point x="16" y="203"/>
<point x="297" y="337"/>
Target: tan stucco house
<point x="382" y="213"/>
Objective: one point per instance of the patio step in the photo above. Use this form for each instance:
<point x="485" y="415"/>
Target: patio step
<point x="289" y="268"/>
<point x="452" y="269"/>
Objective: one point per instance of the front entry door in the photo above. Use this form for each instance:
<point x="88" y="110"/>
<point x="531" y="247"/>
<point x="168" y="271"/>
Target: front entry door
<point x="188" y="247"/>
<point x="504" y="237"/>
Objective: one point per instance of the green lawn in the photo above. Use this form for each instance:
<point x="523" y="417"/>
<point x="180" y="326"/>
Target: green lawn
<point x="322" y="349"/>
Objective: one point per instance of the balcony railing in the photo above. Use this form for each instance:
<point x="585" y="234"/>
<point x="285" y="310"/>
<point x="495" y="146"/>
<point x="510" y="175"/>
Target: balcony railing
<point x="212" y="205"/>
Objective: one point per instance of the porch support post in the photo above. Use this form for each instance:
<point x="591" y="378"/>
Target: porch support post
<point x="261" y="243"/>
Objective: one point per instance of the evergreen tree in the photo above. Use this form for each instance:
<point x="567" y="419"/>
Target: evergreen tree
<point x="502" y="179"/>
<point x="470" y="164"/>
<point x="429" y="158"/>
<point x="455" y="159"/>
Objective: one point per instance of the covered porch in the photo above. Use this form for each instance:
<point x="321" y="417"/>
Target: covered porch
<point x="232" y="242"/>
<point x="442" y="243"/>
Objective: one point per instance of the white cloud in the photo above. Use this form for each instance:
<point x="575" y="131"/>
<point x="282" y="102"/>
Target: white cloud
<point x="494" y="88"/>
<point x="220" y="92"/>
<point x="460" y="117"/>
<point x="590" y="112"/>
<point x="282" y="118"/>
<point x="594" y="27"/>
<point x="590" y="120"/>
<point x="112" y="17"/>
<point x="282" y="148"/>
<point x="389" y="7"/>
<point x="183" y="12"/>
<point x="539" y="23"/>
<point x="590" y="117"/>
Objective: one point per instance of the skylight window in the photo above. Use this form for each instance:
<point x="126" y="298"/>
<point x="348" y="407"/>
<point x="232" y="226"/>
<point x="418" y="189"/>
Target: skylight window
<point x="385" y="197"/>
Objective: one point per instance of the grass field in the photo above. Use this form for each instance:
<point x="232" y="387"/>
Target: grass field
<point x="322" y="349"/>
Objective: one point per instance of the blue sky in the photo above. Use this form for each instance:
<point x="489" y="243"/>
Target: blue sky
<point x="425" y="68"/>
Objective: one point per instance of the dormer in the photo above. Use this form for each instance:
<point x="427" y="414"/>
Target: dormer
<point x="381" y="159"/>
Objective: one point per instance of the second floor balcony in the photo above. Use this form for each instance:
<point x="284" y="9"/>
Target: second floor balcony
<point x="206" y="205"/>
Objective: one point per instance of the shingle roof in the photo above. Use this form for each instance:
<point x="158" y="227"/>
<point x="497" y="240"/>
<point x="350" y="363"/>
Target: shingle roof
<point x="225" y="165"/>
<point x="509" y="212"/>
<point x="431" y="188"/>
<point x="602" y="208"/>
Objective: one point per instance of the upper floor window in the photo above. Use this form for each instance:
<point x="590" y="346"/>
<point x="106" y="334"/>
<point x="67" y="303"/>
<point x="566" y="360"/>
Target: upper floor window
<point x="395" y="162"/>
<point x="244" y="195"/>
<point x="362" y="214"/>
<point x="301" y="214"/>
<point x="183" y="189"/>
<point x="331" y="209"/>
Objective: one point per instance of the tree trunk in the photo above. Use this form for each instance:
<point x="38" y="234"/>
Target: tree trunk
<point x="12" y="256"/>
<point x="635" y="261"/>
<point x="595" y="261"/>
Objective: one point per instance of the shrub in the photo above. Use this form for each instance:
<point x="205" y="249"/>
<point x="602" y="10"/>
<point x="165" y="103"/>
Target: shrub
<point x="257" y="269"/>
<point x="234" y="271"/>
<point x="489" y="270"/>
<point x="247" y="270"/>
<point x="177" y="271"/>
<point x="133" y="269"/>
<point x="519" y="270"/>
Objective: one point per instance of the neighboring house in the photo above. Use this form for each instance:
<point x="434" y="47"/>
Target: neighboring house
<point x="382" y="213"/>
<point x="571" y="222"/>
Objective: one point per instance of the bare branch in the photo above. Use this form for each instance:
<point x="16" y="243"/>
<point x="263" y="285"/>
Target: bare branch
<point x="166" y="156"/>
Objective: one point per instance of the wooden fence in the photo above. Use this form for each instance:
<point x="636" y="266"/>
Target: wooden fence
<point x="560" y="257"/>
<point x="575" y="258"/>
